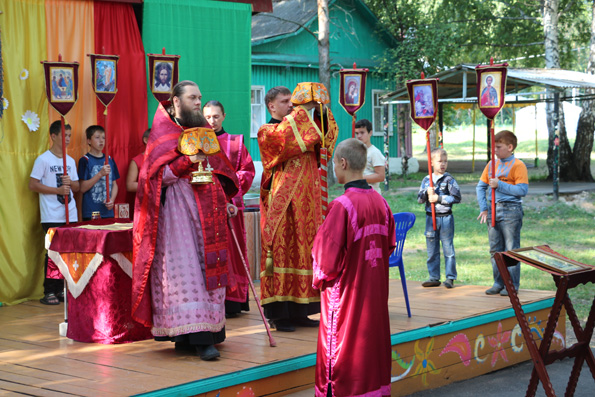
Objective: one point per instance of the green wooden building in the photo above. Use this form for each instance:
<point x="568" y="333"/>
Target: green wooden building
<point x="285" y="52"/>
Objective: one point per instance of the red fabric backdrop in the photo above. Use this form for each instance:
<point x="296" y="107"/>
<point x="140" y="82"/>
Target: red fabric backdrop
<point x="116" y="32"/>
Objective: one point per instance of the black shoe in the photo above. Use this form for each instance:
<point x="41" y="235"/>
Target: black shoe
<point x="305" y="322"/>
<point x="60" y="296"/>
<point x="494" y="290"/>
<point x="449" y="283"/>
<point x="231" y="315"/>
<point x="431" y="283"/>
<point x="50" y="299"/>
<point x="207" y="353"/>
<point x="282" y="325"/>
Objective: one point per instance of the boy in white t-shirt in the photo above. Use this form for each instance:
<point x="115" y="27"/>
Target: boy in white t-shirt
<point x="47" y="178"/>
<point x="374" y="172"/>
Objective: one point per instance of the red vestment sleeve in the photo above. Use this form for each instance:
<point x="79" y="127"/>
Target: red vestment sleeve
<point x="330" y="246"/>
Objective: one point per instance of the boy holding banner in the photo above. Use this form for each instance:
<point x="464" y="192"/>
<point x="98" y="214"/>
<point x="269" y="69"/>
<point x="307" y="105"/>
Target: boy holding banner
<point x="511" y="185"/>
<point x="53" y="184"/>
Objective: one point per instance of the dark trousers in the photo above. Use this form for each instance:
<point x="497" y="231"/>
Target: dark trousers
<point x="50" y="285"/>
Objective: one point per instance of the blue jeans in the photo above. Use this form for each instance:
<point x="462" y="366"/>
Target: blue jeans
<point x="505" y="236"/>
<point x="445" y="230"/>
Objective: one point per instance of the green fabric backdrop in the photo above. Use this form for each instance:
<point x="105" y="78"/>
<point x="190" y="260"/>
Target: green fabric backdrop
<point x="213" y="41"/>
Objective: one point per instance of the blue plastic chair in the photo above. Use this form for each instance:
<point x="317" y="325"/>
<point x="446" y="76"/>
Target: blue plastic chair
<point x="403" y="222"/>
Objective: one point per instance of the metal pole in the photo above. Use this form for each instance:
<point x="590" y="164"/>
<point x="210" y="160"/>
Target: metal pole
<point x="473" y="152"/>
<point x="556" y="143"/>
<point x="386" y="147"/>
<point x="536" y="142"/>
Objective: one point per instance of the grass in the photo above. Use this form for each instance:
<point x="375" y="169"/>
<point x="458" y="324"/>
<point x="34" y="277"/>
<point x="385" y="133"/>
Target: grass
<point x="563" y="227"/>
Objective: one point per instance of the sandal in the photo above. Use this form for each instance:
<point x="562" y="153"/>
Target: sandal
<point x="60" y="296"/>
<point x="50" y="299"/>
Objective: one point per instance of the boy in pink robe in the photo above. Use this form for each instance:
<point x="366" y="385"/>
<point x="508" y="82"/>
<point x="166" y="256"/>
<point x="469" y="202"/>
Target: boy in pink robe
<point x="350" y="252"/>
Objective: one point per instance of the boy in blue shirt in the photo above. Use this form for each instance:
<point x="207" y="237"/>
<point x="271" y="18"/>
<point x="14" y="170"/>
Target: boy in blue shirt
<point x="446" y="193"/>
<point x="92" y="171"/>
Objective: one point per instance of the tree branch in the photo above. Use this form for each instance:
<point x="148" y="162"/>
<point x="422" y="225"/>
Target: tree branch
<point x="570" y="3"/>
<point x="532" y="19"/>
<point x="294" y="22"/>
<point x="525" y="16"/>
<point x="503" y="45"/>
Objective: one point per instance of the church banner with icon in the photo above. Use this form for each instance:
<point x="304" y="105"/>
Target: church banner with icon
<point x="352" y="91"/>
<point x="491" y="93"/>
<point x="163" y="74"/>
<point x="491" y="88"/>
<point x="423" y="102"/>
<point x="61" y="84"/>
<point x="104" y="76"/>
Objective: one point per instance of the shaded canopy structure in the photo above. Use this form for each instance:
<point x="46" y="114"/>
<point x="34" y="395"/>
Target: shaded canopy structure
<point x="459" y="85"/>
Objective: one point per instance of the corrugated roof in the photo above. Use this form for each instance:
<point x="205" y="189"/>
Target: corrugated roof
<point x="460" y="82"/>
<point x="286" y="18"/>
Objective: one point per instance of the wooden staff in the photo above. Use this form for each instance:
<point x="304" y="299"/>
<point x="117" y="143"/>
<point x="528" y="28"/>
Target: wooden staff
<point x="323" y="168"/>
<point x="430" y="176"/>
<point x="266" y="324"/>
<point x="493" y="172"/>
<point x="107" y="197"/>
<point x="64" y="169"/>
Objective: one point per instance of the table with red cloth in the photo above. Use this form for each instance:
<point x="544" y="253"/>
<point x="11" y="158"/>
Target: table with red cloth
<point x="95" y="258"/>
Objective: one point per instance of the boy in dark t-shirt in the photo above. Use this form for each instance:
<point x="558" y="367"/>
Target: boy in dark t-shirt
<point x="92" y="171"/>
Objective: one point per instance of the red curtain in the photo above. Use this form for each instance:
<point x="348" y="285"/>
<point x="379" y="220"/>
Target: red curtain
<point x="116" y="32"/>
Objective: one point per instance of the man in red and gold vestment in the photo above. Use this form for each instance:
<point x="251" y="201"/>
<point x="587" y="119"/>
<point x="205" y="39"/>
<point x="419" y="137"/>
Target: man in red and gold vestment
<point x="290" y="201"/>
<point x="180" y="231"/>
<point x="351" y="252"/>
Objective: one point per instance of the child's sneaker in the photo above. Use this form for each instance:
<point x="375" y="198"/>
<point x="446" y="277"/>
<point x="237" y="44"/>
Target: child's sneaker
<point x="430" y="283"/>
<point x="449" y="283"/>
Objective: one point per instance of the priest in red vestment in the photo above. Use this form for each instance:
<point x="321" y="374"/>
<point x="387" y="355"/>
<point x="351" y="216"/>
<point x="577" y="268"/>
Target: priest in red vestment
<point x="180" y="235"/>
<point x="351" y="252"/>
<point x="290" y="204"/>
<point x="236" y="298"/>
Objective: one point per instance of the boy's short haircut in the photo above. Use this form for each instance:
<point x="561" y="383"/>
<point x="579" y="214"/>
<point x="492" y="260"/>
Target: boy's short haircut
<point x="354" y="152"/>
<point x="506" y="137"/>
<point x="146" y="133"/>
<point x="93" y="129"/>
<point x="438" y="151"/>
<point x="56" y="127"/>
<point x="364" y="123"/>
<point x="273" y="92"/>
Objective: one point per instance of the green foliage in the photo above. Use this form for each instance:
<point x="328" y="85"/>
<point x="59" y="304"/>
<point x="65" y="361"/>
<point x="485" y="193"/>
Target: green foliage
<point x="435" y="35"/>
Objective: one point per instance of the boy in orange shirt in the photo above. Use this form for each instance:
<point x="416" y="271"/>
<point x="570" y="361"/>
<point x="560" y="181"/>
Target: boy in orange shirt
<point x="511" y="185"/>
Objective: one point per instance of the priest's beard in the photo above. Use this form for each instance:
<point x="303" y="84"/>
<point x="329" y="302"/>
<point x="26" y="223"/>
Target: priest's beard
<point x="191" y="118"/>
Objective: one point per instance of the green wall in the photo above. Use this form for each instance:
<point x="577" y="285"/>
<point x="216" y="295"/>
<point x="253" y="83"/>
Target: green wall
<point x="213" y="41"/>
<point x="294" y="58"/>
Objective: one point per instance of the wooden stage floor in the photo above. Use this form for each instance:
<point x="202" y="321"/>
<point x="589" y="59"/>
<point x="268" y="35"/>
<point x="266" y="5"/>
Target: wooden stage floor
<point x="35" y="360"/>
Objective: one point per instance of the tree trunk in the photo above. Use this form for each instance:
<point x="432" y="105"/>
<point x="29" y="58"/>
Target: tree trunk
<point x="586" y="122"/>
<point x="552" y="60"/>
<point x="324" y="62"/>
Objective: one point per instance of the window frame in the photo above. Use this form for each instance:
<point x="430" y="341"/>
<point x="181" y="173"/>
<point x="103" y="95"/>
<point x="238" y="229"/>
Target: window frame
<point x="374" y="107"/>
<point x="263" y="113"/>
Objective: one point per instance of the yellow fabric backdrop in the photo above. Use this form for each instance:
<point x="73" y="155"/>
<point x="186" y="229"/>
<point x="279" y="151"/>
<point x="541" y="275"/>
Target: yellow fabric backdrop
<point x="70" y="32"/>
<point x="21" y="237"/>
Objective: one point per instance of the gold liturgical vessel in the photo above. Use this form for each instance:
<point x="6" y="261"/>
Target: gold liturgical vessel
<point x="199" y="140"/>
<point x="202" y="175"/>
